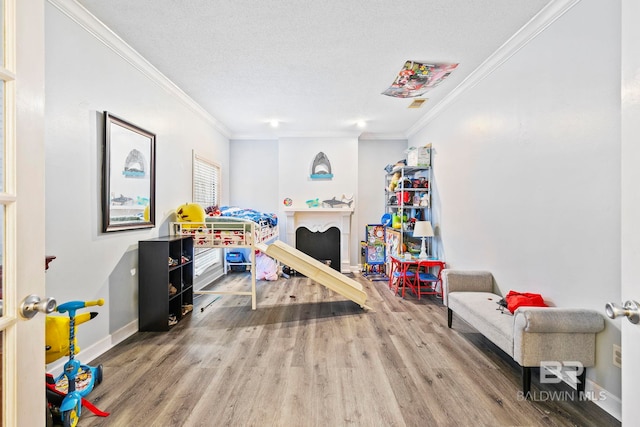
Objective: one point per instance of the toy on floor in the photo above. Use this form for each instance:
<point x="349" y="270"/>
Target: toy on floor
<point x="66" y="393"/>
<point x="266" y="267"/>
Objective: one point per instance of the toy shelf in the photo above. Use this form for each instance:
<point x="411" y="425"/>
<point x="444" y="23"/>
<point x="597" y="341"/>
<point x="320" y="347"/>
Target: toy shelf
<point x="165" y="281"/>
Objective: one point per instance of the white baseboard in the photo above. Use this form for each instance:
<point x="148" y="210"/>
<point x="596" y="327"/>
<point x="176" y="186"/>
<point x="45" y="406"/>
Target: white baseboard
<point x="90" y="353"/>
<point x="593" y="392"/>
<point x="605" y="400"/>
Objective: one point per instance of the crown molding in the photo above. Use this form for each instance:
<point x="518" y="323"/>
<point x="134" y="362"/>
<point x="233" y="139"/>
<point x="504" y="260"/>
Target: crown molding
<point x="382" y="137"/>
<point x="102" y="33"/>
<point x="285" y="134"/>
<point x="548" y="15"/>
<point x="320" y="134"/>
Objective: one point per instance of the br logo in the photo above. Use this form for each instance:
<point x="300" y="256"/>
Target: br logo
<point x="551" y="371"/>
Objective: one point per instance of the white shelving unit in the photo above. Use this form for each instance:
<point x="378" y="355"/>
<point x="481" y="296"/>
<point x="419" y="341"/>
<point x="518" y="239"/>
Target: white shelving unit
<point x="408" y="201"/>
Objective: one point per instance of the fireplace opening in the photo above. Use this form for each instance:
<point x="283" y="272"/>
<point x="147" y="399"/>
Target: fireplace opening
<point x="322" y="245"/>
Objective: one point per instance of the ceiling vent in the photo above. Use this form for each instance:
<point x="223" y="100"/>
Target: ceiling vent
<point x="417" y="103"/>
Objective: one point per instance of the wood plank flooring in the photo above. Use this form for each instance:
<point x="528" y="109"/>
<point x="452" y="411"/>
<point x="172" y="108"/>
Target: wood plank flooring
<point x="307" y="357"/>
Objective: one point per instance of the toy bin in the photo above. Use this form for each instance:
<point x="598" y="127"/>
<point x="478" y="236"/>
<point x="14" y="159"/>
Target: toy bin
<point x="236" y="258"/>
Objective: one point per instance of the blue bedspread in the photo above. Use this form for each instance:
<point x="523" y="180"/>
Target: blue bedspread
<point x="262" y="218"/>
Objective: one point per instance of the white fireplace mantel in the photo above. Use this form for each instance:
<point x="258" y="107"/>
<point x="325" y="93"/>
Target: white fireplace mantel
<point x="320" y="220"/>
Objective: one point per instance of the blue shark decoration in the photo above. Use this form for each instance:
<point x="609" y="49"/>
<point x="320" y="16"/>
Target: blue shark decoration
<point x="321" y="167"/>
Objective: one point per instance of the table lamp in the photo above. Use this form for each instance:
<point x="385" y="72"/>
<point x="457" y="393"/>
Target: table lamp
<point x="423" y="229"/>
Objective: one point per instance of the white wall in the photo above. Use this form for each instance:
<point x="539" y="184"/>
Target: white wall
<point x="296" y="157"/>
<point x="527" y="170"/>
<point x="254" y="175"/>
<point x="373" y="156"/>
<point x="264" y="172"/>
<point x="84" y="77"/>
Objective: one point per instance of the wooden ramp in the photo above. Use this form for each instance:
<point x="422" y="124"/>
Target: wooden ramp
<point x="316" y="270"/>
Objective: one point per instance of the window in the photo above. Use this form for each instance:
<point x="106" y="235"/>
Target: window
<point x="206" y="185"/>
<point x="206" y="178"/>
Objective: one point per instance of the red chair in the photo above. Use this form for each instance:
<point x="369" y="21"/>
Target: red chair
<point x="400" y="275"/>
<point x="427" y="277"/>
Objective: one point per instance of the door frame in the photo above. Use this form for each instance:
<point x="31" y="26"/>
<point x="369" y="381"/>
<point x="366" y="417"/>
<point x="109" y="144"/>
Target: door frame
<point x="630" y="205"/>
<point x="23" y="272"/>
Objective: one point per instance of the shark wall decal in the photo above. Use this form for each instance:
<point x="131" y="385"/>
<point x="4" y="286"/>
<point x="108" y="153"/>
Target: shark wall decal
<point x="321" y="167"/>
<point x="335" y="203"/>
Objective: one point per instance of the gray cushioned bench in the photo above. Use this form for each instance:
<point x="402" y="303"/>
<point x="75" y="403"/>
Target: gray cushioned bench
<point x="532" y="334"/>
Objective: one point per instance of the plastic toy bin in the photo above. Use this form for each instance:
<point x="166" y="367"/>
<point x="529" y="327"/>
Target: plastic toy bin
<point x="236" y="258"/>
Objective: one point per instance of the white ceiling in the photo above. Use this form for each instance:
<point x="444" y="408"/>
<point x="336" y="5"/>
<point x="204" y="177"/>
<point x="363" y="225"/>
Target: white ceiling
<point x="316" y="66"/>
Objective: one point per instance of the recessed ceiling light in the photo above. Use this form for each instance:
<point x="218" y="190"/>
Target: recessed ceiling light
<point x="274" y="123"/>
<point x="361" y="124"/>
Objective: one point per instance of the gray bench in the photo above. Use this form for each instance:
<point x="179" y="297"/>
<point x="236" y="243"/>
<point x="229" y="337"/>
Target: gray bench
<point x="531" y="335"/>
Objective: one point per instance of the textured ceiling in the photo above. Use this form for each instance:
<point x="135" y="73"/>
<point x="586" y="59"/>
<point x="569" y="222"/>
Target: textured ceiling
<point x="317" y="66"/>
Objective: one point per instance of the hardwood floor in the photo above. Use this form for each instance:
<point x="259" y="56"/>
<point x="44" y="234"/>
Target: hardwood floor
<point x="306" y="357"/>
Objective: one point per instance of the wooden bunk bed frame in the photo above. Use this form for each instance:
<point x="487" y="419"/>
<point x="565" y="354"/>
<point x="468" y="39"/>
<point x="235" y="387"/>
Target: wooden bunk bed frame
<point x="228" y="233"/>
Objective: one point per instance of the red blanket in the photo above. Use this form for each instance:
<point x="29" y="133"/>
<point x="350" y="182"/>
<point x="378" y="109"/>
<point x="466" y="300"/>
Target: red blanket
<point x="517" y="299"/>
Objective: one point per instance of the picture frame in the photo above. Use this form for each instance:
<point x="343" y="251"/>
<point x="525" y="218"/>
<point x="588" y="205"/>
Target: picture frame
<point x="128" y="176"/>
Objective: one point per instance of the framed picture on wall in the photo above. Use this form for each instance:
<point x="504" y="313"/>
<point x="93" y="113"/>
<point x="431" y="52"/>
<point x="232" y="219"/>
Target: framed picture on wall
<point x="128" y="176"/>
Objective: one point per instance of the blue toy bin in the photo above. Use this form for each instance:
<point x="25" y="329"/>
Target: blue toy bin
<point x="236" y="258"/>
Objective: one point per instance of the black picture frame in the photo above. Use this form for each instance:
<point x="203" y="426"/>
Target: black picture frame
<point x="128" y="176"/>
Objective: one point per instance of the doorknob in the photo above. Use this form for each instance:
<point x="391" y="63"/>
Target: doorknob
<point x="33" y="304"/>
<point x="631" y="310"/>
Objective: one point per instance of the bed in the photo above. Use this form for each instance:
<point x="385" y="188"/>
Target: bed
<point x="231" y="227"/>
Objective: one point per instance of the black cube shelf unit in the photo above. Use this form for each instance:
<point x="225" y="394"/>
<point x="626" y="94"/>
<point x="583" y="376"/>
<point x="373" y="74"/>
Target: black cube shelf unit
<point x="165" y="281"/>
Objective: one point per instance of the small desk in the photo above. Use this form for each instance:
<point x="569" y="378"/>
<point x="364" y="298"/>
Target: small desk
<point x="408" y="271"/>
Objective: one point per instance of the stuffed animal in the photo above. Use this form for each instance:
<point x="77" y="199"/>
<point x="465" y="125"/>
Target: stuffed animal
<point x="394" y="181"/>
<point x="191" y="212"/>
<point x="266" y="267"/>
<point x="213" y="211"/>
<point x="57" y="335"/>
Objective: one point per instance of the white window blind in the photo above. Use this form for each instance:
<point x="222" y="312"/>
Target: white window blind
<point x="206" y="182"/>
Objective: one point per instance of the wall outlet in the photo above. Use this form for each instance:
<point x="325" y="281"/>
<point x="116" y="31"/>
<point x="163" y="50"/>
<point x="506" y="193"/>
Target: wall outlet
<point x="617" y="356"/>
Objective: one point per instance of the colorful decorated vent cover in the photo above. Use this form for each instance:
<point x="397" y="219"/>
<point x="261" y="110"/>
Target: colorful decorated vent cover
<point x="416" y="78"/>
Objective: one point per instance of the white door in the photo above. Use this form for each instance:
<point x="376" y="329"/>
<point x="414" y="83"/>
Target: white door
<point x="21" y="209"/>
<point x="630" y="207"/>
